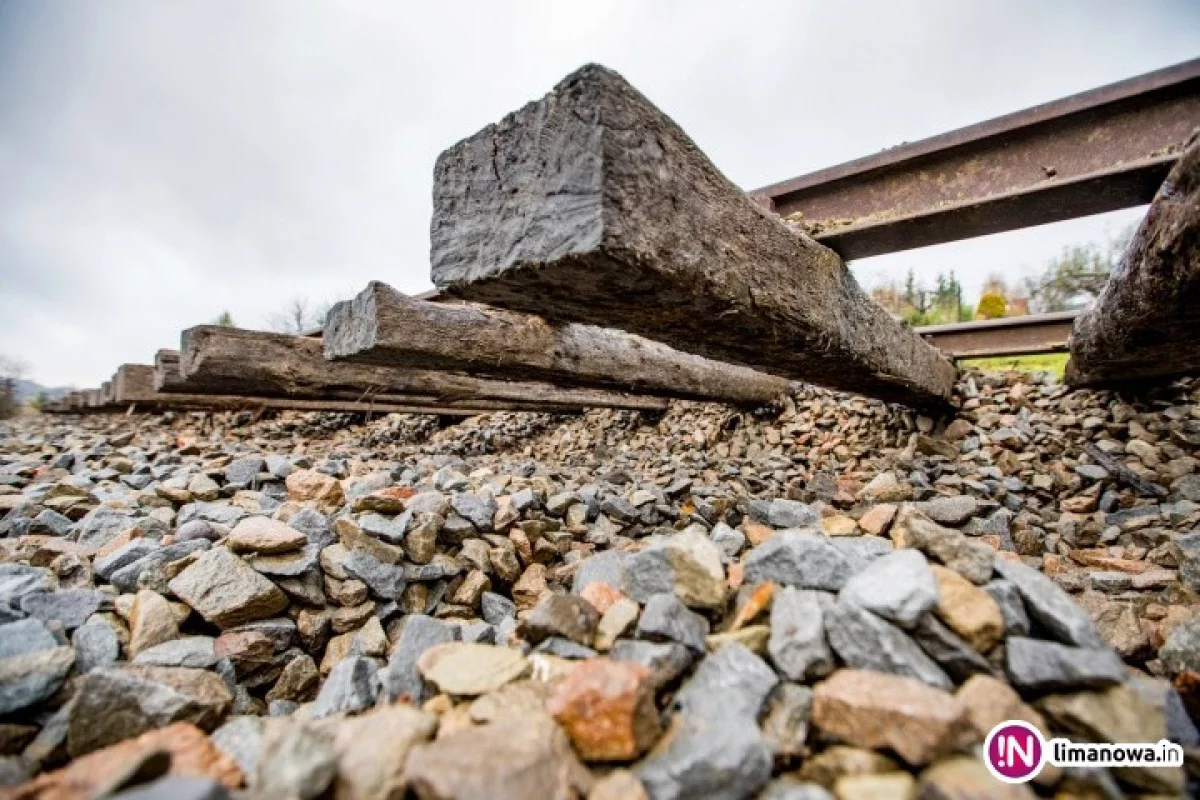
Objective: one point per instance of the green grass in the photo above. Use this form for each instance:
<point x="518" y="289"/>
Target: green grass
<point x="1051" y="362"/>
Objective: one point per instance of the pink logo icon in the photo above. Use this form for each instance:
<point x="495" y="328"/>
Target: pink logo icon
<point x="1014" y="751"/>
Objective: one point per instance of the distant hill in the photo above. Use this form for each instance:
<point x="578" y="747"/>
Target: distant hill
<point x="27" y="390"/>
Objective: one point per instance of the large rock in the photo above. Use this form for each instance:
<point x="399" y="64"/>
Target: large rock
<point x="19" y="580"/>
<point x="607" y="566"/>
<point x="715" y="748"/>
<point x="25" y="636"/>
<point x="783" y="513"/>
<point x="967" y="557"/>
<point x="305" y="485"/>
<point x="1117" y="714"/>
<point x="1181" y="651"/>
<point x="968" y="610"/>
<point x="800" y="558"/>
<point x="264" y="535"/>
<point x="128" y="578"/>
<point x="116" y="704"/>
<point x="1012" y="608"/>
<point x="30" y="677"/>
<point x="297" y="761"/>
<point x="226" y="591"/>
<point x="401" y="679"/>
<point x="465" y="668"/>
<point x="1053" y="608"/>
<point x="797" y="645"/>
<point x="510" y="759"/>
<point x="665" y="660"/>
<point x="898" y="587"/>
<point x="240" y="739"/>
<point x="952" y="510"/>
<point x="710" y="759"/>
<point x="71" y="607"/>
<point x="181" y="749"/>
<point x="876" y="710"/>
<point x="385" y="580"/>
<point x="867" y="642"/>
<point x="607" y="708"/>
<point x="665" y="618"/>
<point x="785" y="720"/>
<point x="350" y="687"/>
<point x="730" y="683"/>
<point x="151" y="622"/>
<point x="990" y="701"/>
<point x="101" y="525"/>
<point x="96" y="646"/>
<point x="1188" y="545"/>
<point x="687" y="564"/>
<point x="196" y="652"/>
<point x="1038" y="666"/>
<point x="965" y="777"/>
<point x="566" y="615"/>
<point x="955" y="656"/>
<point x="372" y="749"/>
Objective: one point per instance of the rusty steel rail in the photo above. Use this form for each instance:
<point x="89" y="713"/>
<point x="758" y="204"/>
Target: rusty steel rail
<point x="1011" y="336"/>
<point x="1100" y="150"/>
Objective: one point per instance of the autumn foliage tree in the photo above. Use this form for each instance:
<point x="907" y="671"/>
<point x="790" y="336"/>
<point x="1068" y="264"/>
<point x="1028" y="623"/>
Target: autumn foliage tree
<point x="992" y="305"/>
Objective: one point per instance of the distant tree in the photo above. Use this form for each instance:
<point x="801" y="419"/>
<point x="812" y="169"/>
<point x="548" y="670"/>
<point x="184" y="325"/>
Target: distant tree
<point x="11" y="371"/>
<point x="38" y="402"/>
<point x="1075" y="277"/>
<point x="992" y="305"/>
<point x="224" y="319"/>
<point x="918" y="305"/>
<point x="299" y="317"/>
<point x="913" y="296"/>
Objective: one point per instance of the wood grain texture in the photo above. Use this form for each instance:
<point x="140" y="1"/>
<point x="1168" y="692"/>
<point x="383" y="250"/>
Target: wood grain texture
<point x="591" y="205"/>
<point x="133" y="386"/>
<point x="383" y="327"/>
<point x="1145" y="325"/>
<point x="222" y="360"/>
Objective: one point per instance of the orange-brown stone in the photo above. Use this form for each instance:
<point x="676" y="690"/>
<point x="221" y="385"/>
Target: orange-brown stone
<point x="246" y="650"/>
<point x="1102" y="560"/>
<point x="190" y="750"/>
<point x="607" y="709"/>
<point x="756" y="603"/>
<point x="968" y="610"/>
<point x="877" y="710"/>
<point x="308" y="485"/>
<point x="876" y="520"/>
<point x="756" y="532"/>
<point x="601" y="595"/>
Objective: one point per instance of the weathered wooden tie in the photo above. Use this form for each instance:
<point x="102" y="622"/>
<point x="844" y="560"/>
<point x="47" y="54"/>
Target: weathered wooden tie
<point x="135" y="387"/>
<point x="1146" y="323"/>
<point x="386" y="328"/>
<point x="591" y="205"/>
<point x="166" y="371"/>
<point x="222" y="360"/>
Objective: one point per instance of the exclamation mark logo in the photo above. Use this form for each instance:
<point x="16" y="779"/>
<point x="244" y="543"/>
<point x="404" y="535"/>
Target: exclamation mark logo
<point x="1014" y="751"/>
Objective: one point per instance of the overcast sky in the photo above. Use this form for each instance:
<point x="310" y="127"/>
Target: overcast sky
<point x="163" y="161"/>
